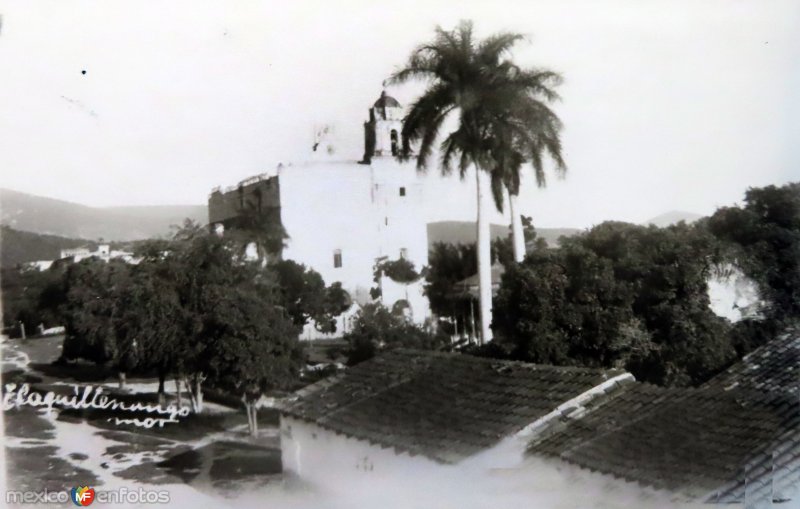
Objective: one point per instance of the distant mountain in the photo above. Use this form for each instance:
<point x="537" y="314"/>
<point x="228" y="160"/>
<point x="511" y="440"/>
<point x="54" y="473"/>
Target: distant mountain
<point x="673" y="217"/>
<point x="464" y="232"/>
<point x="20" y="247"/>
<point x="49" y="216"/>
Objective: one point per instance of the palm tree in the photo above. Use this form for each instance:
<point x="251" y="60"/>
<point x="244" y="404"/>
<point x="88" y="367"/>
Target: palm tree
<point x="541" y="136"/>
<point x="499" y="116"/>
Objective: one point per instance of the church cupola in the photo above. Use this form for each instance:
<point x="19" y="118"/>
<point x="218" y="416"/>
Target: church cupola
<point x="382" y="136"/>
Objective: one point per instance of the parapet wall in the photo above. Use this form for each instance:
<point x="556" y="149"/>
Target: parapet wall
<point x="256" y="193"/>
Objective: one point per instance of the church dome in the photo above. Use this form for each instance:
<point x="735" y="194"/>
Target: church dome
<point x="386" y="101"/>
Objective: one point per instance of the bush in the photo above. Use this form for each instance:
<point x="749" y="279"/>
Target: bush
<point x="377" y="329"/>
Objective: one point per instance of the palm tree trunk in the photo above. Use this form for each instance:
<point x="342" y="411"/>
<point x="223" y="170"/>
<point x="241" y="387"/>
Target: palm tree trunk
<point x="517" y="235"/>
<point x="484" y="253"/>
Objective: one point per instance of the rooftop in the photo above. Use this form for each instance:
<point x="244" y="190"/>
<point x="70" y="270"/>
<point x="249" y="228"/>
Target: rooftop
<point x="772" y="367"/>
<point x="739" y="431"/>
<point x="444" y="406"/>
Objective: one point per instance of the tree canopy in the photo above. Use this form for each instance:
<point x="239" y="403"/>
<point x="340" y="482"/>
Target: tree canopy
<point x="618" y="295"/>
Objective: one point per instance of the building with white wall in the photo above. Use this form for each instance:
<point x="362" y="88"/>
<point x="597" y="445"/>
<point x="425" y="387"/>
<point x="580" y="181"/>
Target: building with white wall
<point x="103" y="252"/>
<point x="74" y="255"/>
<point x="341" y="217"/>
<point x="409" y="421"/>
<point x="407" y="415"/>
<point x="733" y="295"/>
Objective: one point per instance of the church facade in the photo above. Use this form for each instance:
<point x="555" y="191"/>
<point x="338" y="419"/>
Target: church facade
<point x="343" y="217"/>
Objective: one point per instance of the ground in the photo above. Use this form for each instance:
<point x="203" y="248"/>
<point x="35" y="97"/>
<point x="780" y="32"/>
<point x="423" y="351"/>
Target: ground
<point x="207" y="455"/>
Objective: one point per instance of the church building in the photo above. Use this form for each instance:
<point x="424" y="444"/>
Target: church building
<point x="342" y="217"/>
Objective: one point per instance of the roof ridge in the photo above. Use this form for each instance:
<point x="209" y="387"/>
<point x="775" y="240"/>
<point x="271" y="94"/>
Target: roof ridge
<point x="625" y="388"/>
<point x="513" y="362"/>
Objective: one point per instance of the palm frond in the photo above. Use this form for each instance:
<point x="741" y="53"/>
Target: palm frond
<point x="493" y="47"/>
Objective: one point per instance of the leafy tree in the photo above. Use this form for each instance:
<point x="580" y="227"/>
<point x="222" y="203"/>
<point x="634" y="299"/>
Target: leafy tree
<point x="763" y="239"/>
<point x="92" y="308"/>
<point x="150" y="328"/>
<point x="447" y="265"/>
<point x="400" y="271"/>
<point x="259" y="227"/>
<point x="495" y="101"/>
<point x="376" y="328"/>
<point x="255" y="348"/>
<point x="305" y="296"/>
<point x="562" y="307"/>
<point x="450" y="263"/>
<point x="33" y="297"/>
<point x="208" y="269"/>
<point x="619" y="295"/>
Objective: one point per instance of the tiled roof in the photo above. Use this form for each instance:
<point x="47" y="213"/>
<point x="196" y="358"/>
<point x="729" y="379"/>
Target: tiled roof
<point x="772" y="367"/>
<point x="445" y="406"/>
<point x="740" y="432"/>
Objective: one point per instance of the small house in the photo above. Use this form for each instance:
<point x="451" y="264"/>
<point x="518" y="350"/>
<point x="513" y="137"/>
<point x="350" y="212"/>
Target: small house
<point x="409" y="421"/>
<point x="405" y="412"/>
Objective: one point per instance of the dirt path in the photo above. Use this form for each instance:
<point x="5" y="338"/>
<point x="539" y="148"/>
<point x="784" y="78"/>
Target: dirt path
<point x="200" y="459"/>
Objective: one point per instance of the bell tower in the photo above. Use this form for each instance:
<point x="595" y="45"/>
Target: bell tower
<point x="382" y="136"/>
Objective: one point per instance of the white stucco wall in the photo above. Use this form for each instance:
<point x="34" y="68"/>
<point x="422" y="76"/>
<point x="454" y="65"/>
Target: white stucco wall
<point x="733" y="295"/>
<point x="331" y="462"/>
<point x="341" y="472"/>
<point x="359" y="210"/>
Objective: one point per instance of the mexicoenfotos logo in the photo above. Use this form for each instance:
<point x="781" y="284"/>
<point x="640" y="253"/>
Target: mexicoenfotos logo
<point x="82" y="495"/>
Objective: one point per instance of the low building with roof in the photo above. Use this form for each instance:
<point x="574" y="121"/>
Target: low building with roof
<point x="407" y="417"/>
<point x="736" y="439"/>
<point x="407" y="410"/>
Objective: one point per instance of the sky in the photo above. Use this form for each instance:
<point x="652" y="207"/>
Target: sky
<point x="667" y="105"/>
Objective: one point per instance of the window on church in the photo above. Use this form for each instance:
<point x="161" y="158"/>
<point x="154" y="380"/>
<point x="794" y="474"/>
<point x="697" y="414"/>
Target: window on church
<point x="337" y="258"/>
<point x="395" y="146"/>
<point x="402" y="191"/>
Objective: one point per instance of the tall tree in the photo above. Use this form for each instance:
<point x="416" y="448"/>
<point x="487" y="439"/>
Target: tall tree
<point x="477" y="82"/>
<point x="539" y="136"/>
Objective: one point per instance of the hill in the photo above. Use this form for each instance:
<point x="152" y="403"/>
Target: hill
<point x="20" y="247"/>
<point x="49" y="216"/>
<point x="464" y="232"/>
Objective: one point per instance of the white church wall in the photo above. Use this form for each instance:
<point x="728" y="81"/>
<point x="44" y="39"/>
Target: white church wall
<point x="342" y="216"/>
<point x="326" y="207"/>
<point x="363" y="212"/>
<point x="413" y="293"/>
<point x="733" y="295"/>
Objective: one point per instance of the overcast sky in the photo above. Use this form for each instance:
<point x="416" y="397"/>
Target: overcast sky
<point x="666" y="105"/>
